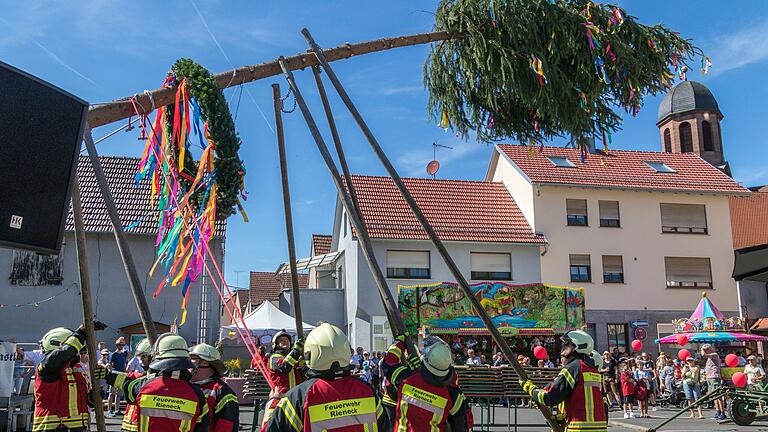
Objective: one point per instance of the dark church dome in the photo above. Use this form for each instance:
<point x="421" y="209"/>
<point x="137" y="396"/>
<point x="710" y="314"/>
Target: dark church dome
<point x="687" y="96"/>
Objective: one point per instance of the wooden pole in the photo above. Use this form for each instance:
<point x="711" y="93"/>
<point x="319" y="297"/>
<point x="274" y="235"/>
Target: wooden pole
<point x="85" y="297"/>
<point x="546" y="411"/>
<point x="344" y="167"/>
<point x="122" y="243"/>
<point x="296" y="296"/>
<point x="362" y="233"/>
<point x="121" y="109"/>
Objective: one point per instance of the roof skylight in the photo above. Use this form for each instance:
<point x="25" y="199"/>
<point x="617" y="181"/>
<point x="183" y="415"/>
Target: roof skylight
<point x="660" y="167"/>
<point x="561" y="161"/>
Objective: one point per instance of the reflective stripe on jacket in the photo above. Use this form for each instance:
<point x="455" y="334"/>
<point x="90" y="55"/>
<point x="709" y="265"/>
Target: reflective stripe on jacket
<point x="63" y="402"/>
<point x="170" y="404"/>
<point x="422" y="406"/>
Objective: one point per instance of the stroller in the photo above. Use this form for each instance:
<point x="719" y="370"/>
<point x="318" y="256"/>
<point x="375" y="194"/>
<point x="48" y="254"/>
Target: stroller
<point x="672" y="396"/>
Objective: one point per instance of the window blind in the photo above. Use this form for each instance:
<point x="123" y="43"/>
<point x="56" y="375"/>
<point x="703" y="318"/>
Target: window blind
<point x="577" y="207"/>
<point x="579" y="260"/>
<point x="609" y="209"/>
<point x="490" y="262"/>
<point x="683" y="215"/>
<point x="612" y="264"/>
<point x="407" y="259"/>
<point x="688" y="269"/>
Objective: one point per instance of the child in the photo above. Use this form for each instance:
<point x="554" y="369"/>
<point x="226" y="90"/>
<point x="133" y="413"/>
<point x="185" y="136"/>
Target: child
<point x="627" y="388"/>
<point x="642" y="388"/>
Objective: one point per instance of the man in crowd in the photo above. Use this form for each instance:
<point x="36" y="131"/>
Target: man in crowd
<point x="427" y="398"/>
<point x="61" y="391"/>
<point x="578" y="385"/>
<point x="118" y="360"/>
<point x="285" y="369"/>
<point x="331" y="398"/>
<point x="223" y="405"/>
<point x="165" y="398"/>
<point x="712" y="373"/>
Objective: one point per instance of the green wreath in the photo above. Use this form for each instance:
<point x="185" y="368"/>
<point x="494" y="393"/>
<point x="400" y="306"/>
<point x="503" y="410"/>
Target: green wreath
<point x="202" y="86"/>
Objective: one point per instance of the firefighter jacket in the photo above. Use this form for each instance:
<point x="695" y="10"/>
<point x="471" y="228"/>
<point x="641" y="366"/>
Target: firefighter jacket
<point x="131" y="417"/>
<point x="61" y="390"/>
<point x="425" y="402"/>
<point x="326" y="403"/>
<point x="223" y="406"/>
<point x="578" y="387"/>
<point x="165" y="401"/>
<point x="285" y="370"/>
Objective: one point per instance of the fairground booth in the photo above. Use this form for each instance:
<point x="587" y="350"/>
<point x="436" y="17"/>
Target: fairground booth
<point x="526" y="315"/>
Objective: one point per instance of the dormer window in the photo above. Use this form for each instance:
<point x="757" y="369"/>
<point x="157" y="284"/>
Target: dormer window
<point x="660" y="167"/>
<point x="561" y="161"/>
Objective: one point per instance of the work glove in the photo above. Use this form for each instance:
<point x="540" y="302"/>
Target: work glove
<point x="100" y="373"/>
<point x="528" y="386"/>
<point x="299" y="345"/>
<point x="98" y="325"/>
<point x="414" y="362"/>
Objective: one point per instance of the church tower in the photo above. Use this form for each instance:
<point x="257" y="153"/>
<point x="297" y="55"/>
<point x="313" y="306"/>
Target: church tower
<point x="689" y="122"/>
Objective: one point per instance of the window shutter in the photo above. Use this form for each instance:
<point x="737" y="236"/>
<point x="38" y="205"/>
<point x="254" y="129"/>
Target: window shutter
<point x="579" y="260"/>
<point x="612" y="264"/>
<point x="609" y="209"/>
<point x="408" y="259"/>
<point x="490" y="262"/>
<point x="683" y="215"/>
<point x="688" y="269"/>
<point x="576" y="207"/>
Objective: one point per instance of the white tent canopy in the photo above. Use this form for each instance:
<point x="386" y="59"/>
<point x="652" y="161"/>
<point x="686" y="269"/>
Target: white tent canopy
<point x="266" y="320"/>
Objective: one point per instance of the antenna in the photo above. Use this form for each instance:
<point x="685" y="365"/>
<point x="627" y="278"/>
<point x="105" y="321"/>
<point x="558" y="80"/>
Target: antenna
<point x="433" y="166"/>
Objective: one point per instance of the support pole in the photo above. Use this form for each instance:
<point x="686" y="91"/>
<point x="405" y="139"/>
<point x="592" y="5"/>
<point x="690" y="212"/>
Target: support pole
<point x="122" y="242"/>
<point x="85" y="297"/>
<point x="362" y="233"/>
<point x="296" y="297"/>
<point x="545" y="411"/>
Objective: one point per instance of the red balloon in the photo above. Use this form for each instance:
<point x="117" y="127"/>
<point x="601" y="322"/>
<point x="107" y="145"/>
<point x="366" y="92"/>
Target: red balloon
<point x="683" y="354"/>
<point x="739" y="379"/>
<point x="540" y="353"/>
<point x="731" y="360"/>
<point x="637" y="345"/>
<point x="682" y="339"/>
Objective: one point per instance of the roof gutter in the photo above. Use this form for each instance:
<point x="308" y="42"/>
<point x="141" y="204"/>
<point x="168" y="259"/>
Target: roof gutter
<point x="642" y="189"/>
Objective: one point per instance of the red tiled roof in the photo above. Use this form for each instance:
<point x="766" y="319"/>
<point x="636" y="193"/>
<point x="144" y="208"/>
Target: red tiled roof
<point x="240" y="299"/>
<point x="321" y="244"/>
<point x="749" y="220"/>
<point x="133" y="204"/>
<point x="622" y="169"/>
<point x="458" y="210"/>
<point x="267" y="286"/>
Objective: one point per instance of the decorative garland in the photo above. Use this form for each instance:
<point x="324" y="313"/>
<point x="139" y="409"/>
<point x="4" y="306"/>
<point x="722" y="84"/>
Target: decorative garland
<point x="191" y="195"/>
<point x="535" y="69"/>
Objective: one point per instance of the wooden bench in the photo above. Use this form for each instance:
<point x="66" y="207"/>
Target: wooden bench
<point x="500" y="382"/>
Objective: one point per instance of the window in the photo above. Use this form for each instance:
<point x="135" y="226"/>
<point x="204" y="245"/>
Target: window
<point x="667" y="141"/>
<point x="408" y="264"/>
<point x="592" y="330"/>
<point x="688" y="272"/>
<point x="576" y="210"/>
<point x="381" y="333"/>
<point x="561" y="161"/>
<point x="683" y="218"/>
<point x="660" y="167"/>
<point x="491" y="266"/>
<point x="344" y="222"/>
<point x="580" y="268"/>
<point x="617" y="337"/>
<point x="609" y="214"/>
<point x="686" y="139"/>
<point x="33" y="269"/>
<point x="613" y="269"/>
<point x="706" y="136"/>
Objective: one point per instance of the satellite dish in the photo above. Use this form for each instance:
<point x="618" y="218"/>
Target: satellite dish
<point x="432" y="167"/>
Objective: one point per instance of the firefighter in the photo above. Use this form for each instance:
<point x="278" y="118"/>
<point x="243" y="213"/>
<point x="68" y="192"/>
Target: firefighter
<point x="427" y="398"/>
<point x="223" y="406"/>
<point x="578" y="386"/>
<point x="331" y="399"/>
<point x="131" y="417"/>
<point x="285" y="365"/>
<point x="61" y="389"/>
<point x="165" y="398"/>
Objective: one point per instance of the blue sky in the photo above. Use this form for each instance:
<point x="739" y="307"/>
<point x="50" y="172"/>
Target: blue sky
<point x="107" y="50"/>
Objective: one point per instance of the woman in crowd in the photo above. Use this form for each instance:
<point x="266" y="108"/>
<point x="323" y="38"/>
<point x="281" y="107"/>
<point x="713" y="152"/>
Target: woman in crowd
<point x="691" y="383"/>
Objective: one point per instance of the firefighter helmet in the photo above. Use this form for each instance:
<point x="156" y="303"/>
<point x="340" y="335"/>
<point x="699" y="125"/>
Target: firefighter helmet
<point x="597" y="359"/>
<point x="581" y="340"/>
<point x="437" y="357"/>
<point x="55" y="338"/>
<point x="277" y="336"/>
<point x="327" y="349"/>
<point x="144" y="348"/>
<point x="210" y="354"/>
<point x="170" y="345"/>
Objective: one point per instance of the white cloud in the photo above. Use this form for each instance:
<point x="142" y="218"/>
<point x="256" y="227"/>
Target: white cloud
<point x="389" y="91"/>
<point x="753" y="176"/>
<point x="741" y="48"/>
